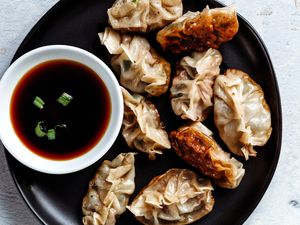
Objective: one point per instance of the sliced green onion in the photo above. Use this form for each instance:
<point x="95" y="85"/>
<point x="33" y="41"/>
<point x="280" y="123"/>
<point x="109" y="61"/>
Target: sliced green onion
<point x="51" y="134"/>
<point x="65" y="99"/>
<point x="39" y="129"/>
<point x="38" y="102"/>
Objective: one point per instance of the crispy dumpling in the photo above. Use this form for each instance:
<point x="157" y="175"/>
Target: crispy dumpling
<point x="192" y="86"/>
<point x="143" y="15"/>
<point x="109" y="191"/>
<point x="194" y="143"/>
<point x="177" y="197"/>
<point x="199" y="30"/>
<point x="142" y="128"/>
<point x="241" y="113"/>
<point x="140" y="68"/>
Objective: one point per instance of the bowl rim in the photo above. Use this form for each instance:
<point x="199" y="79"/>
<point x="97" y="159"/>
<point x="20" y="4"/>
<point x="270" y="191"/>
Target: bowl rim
<point x="52" y="166"/>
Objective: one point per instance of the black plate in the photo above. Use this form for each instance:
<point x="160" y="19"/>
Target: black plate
<point x="57" y="199"/>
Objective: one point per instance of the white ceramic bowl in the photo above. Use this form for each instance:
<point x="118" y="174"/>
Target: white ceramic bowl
<point x="11" y="78"/>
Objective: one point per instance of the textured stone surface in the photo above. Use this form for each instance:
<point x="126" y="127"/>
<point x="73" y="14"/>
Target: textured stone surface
<point x="278" y="23"/>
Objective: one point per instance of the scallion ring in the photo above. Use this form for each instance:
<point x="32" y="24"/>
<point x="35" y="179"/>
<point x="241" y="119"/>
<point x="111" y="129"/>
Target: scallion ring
<point x="65" y="99"/>
<point x="38" y="102"/>
<point x="51" y="134"/>
<point x="39" y="129"/>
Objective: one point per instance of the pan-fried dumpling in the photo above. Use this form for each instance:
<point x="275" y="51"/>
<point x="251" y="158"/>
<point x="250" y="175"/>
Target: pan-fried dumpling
<point x="143" y="15"/>
<point x="109" y="191"/>
<point x="177" y="197"/>
<point x="195" y="144"/>
<point x="142" y="128"/>
<point x="199" y="30"/>
<point x="140" y="68"/>
<point x="241" y="113"/>
<point x="192" y="87"/>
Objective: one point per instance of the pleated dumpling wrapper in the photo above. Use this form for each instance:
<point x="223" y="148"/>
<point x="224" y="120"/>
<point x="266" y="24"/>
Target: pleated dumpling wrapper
<point x="143" y="15"/>
<point x="142" y="128"/>
<point x="192" y="86"/>
<point x="241" y="113"/>
<point x="109" y="191"/>
<point x="140" y="68"/>
<point x="194" y="144"/>
<point x="199" y="31"/>
<point x="177" y="197"/>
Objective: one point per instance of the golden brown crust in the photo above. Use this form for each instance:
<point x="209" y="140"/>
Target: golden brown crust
<point x="195" y="144"/>
<point x="209" y="29"/>
<point x="194" y="147"/>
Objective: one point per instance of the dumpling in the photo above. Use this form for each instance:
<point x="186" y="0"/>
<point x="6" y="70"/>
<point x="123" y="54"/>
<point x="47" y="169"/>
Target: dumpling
<point x="241" y="113"/>
<point x="192" y="87"/>
<point x="177" y="197"/>
<point x="143" y="15"/>
<point x="199" y="30"/>
<point x="140" y="68"/>
<point x="109" y="191"/>
<point x="197" y="147"/>
<point x="142" y="128"/>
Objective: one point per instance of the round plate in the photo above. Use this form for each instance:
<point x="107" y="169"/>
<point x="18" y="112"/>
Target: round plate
<point x="56" y="199"/>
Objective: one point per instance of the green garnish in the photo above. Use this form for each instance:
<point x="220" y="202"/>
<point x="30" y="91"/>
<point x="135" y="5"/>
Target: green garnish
<point x="65" y="99"/>
<point x="38" y="102"/>
<point x="51" y="134"/>
<point x="134" y="1"/>
<point x="39" y="129"/>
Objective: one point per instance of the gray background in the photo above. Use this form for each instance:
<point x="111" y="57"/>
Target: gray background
<point x="278" y="23"/>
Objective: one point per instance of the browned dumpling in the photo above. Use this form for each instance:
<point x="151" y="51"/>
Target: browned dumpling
<point x="142" y="128"/>
<point x="194" y="143"/>
<point x="199" y="30"/>
<point x="241" y="113"/>
<point x="140" y="68"/>
<point x="177" y="197"/>
<point x="143" y="15"/>
<point x="192" y="86"/>
<point x="109" y="191"/>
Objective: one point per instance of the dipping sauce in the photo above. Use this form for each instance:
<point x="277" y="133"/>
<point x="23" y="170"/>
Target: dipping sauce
<point x="86" y="117"/>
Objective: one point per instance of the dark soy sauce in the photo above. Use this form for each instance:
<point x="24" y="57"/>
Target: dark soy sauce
<point x="86" y="117"/>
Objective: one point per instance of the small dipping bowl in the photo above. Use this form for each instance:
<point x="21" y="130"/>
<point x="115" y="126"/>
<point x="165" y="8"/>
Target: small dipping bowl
<point x="8" y="84"/>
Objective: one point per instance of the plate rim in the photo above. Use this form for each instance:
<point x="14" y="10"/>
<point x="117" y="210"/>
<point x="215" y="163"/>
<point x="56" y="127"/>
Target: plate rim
<point x="253" y="204"/>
